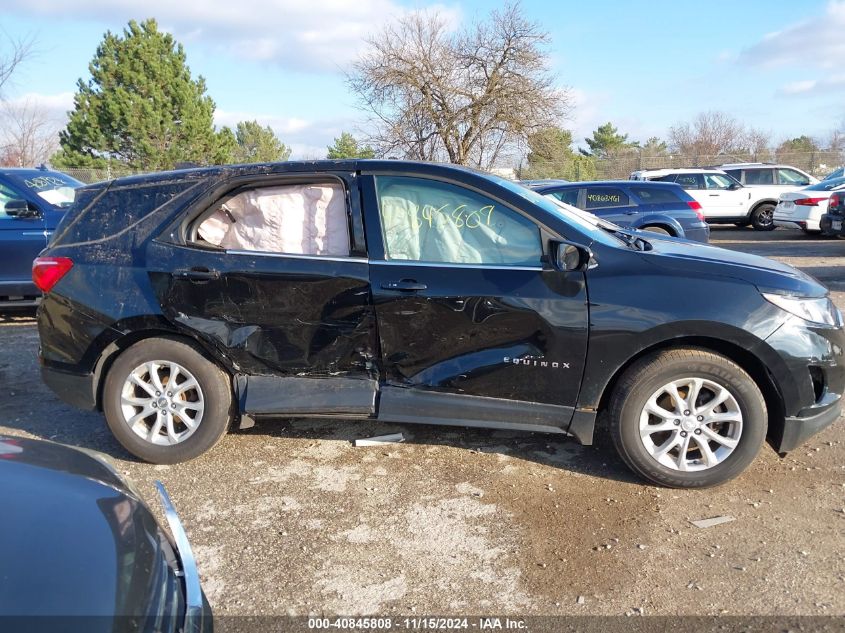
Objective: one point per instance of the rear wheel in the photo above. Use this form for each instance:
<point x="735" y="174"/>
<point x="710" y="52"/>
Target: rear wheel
<point x="165" y="402"/>
<point x="762" y="218"/>
<point x="687" y="418"/>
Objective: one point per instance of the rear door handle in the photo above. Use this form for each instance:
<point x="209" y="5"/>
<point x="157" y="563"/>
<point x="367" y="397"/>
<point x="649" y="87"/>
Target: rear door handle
<point x="406" y="285"/>
<point x="197" y="274"/>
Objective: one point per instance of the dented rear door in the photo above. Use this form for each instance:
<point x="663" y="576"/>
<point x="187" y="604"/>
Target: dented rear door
<point x="297" y="328"/>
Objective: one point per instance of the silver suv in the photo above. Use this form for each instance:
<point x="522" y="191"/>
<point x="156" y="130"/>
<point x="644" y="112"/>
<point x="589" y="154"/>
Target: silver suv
<point x="768" y="174"/>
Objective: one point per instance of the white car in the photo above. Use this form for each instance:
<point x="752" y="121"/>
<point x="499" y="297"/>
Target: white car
<point x="785" y="177"/>
<point x="803" y="209"/>
<point x="722" y="197"/>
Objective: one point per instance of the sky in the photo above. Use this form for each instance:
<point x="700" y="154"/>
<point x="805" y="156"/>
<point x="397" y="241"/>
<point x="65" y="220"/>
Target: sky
<point x="644" y="65"/>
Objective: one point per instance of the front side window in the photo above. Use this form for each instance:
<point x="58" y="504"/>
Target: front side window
<point x="759" y="177"/>
<point x="569" y="196"/>
<point x="6" y="194"/>
<point x="431" y="221"/>
<point x="303" y="219"/>
<point x="603" y="197"/>
<point x="717" y="181"/>
<point x="792" y="177"/>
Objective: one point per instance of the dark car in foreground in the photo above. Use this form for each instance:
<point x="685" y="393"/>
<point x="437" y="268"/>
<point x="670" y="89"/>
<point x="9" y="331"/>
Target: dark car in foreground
<point x="832" y="223"/>
<point x="182" y="303"/>
<point x="84" y="553"/>
<point x="32" y="203"/>
<point x="658" y="207"/>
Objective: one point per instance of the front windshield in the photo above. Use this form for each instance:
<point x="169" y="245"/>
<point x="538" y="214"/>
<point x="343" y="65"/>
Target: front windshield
<point x="54" y="188"/>
<point x="827" y="185"/>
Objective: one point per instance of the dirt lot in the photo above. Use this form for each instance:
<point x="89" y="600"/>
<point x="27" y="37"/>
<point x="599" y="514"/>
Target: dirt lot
<point x="290" y="518"/>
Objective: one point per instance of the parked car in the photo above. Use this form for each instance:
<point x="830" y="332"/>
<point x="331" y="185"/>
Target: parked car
<point x="836" y="173"/>
<point x="83" y="550"/>
<point x="831" y="223"/>
<point x="658" y="207"/>
<point x="423" y="293"/>
<point x="32" y="202"/>
<point x="803" y="209"/>
<point x="722" y="197"/>
<point x="768" y="174"/>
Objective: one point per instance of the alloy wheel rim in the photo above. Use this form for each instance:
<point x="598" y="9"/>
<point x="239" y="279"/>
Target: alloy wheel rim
<point x="691" y="424"/>
<point x="162" y="402"/>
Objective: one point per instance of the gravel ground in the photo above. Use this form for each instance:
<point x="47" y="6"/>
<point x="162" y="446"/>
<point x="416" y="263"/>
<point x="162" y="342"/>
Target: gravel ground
<point x="290" y="518"/>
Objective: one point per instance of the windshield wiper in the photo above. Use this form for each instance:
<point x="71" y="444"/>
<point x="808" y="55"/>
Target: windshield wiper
<point x="632" y="241"/>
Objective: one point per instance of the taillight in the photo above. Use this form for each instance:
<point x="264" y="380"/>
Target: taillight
<point x="835" y="200"/>
<point x="695" y="205"/>
<point x="809" y="202"/>
<point x="46" y="271"/>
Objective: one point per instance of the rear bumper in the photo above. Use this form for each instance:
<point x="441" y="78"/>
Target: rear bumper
<point x="698" y="234"/>
<point x="797" y="430"/>
<point x="75" y="389"/>
<point x="826" y="224"/>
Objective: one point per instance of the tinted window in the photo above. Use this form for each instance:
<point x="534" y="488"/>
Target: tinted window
<point x="758" y="177"/>
<point x="7" y="194"/>
<point x="603" y="197"/>
<point x="569" y="196"/>
<point x="792" y="177"/>
<point x="689" y="181"/>
<point x="301" y="219"/>
<point x="717" y="181"/>
<point x="656" y="195"/>
<point x="430" y="221"/>
<point x="827" y="185"/>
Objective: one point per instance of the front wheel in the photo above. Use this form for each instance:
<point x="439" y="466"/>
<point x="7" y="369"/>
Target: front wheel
<point x="165" y="402"/>
<point x="762" y="218"/>
<point x="687" y="418"/>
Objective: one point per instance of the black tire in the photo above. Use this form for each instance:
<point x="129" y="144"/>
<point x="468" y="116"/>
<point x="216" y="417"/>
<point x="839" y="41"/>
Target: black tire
<point x="762" y="217"/>
<point x="216" y="391"/>
<point x="657" y="229"/>
<point x="648" y="375"/>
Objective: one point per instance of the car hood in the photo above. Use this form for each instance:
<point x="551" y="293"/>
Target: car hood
<point x="85" y="545"/>
<point x="711" y="261"/>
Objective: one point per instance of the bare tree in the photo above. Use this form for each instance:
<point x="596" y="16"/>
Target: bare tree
<point x="710" y="134"/>
<point x="28" y="135"/>
<point x="19" y="50"/>
<point x="757" y="143"/>
<point x="464" y="96"/>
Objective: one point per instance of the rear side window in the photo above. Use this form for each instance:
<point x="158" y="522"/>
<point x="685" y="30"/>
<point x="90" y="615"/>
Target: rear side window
<point x="431" y="221"/>
<point x="689" y="181"/>
<point x="656" y="195"/>
<point x="301" y="219"/>
<point x="792" y="177"/>
<point x="759" y="177"/>
<point x="604" y="197"/>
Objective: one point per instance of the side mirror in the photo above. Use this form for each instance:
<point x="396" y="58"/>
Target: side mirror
<point x="21" y="209"/>
<point x="570" y="257"/>
<point x="734" y="186"/>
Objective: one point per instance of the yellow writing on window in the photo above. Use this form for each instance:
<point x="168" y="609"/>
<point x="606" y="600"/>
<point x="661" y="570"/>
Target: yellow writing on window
<point x="461" y="217"/>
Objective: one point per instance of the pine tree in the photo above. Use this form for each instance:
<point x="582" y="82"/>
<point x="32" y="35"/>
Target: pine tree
<point x="346" y="146"/>
<point x="140" y="108"/>
<point x="256" y="144"/>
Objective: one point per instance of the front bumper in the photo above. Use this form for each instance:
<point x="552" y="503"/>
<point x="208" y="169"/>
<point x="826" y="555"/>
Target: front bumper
<point x="797" y="430"/>
<point x="77" y="390"/>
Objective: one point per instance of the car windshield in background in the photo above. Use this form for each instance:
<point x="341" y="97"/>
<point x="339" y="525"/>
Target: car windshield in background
<point x="54" y="188"/>
<point x="827" y="185"/>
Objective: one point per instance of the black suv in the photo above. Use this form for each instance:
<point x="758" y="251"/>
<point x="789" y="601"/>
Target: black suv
<point x="832" y="223"/>
<point x="180" y="303"/>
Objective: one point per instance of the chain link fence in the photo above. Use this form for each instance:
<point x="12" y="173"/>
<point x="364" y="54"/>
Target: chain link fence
<point x="89" y="175"/>
<point x="818" y="163"/>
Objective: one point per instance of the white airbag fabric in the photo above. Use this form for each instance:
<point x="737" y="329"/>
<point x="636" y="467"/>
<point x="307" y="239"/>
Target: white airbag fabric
<point x="297" y="219"/>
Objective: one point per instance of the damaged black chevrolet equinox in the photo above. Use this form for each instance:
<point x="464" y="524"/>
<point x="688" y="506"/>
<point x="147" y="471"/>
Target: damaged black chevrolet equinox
<point x="182" y="303"/>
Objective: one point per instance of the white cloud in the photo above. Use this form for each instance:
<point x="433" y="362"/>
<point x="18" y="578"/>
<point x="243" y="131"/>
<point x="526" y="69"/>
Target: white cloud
<point x="291" y="33"/>
<point x="814" y="86"/>
<point x="814" y="42"/>
<point x="55" y="107"/>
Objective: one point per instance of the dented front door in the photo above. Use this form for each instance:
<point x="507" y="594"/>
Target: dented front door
<point x="503" y="326"/>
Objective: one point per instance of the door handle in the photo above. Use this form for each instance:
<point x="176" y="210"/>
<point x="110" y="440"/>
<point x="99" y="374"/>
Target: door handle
<point x="197" y="274"/>
<point x="406" y="285"/>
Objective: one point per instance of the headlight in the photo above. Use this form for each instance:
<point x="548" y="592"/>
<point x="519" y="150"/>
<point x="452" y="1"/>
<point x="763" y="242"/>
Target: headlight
<point x="820" y="310"/>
